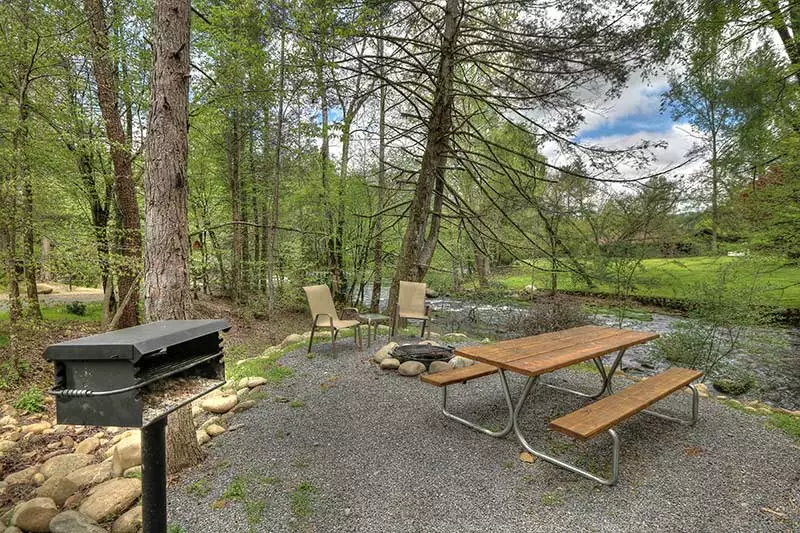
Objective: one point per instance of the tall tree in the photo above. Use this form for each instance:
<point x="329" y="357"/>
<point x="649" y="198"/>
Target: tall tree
<point x="167" y="294"/>
<point x="105" y="74"/>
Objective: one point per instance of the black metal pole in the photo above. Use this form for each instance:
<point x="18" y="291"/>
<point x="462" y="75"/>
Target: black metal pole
<point x="154" y="477"/>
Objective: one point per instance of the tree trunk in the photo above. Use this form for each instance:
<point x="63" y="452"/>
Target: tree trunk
<point x="29" y="263"/>
<point x="377" y="282"/>
<point x="418" y="248"/>
<point x="105" y="75"/>
<point x="278" y="166"/>
<point x="235" y="185"/>
<point x="166" y="279"/>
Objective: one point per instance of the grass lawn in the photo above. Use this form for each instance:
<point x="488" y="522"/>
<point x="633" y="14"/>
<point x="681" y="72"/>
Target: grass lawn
<point x="58" y="313"/>
<point x="778" y="283"/>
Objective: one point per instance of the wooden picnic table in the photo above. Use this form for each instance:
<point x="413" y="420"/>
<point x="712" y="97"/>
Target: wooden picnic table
<point x="541" y="354"/>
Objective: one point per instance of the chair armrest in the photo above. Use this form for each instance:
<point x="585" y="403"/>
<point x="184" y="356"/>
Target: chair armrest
<point x="324" y="314"/>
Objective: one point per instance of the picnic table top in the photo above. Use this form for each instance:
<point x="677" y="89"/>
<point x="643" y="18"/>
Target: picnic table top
<point x="539" y="354"/>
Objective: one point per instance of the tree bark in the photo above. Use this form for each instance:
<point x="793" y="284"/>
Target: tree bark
<point x="276" y="180"/>
<point x="377" y="282"/>
<point x="418" y="247"/>
<point x="235" y="185"/>
<point x="166" y="279"/>
<point x="105" y="75"/>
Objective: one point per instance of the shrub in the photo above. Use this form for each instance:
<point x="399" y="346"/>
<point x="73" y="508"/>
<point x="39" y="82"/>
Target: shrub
<point x="76" y="308"/>
<point x="548" y="313"/>
<point x="725" y="321"/>
<point x="31" y="401"/>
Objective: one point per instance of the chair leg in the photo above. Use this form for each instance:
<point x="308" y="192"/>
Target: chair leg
<point x="394" y="325"/>
<point x="358" y="337"/>
<point x="311" y="339"/>
<point x="333" y="341"/>
<point x="422" y="331"/>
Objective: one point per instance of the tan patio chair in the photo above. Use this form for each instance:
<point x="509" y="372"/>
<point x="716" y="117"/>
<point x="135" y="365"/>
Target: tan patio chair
<point x="411" y="305"/>
<point x="323" y="315"/>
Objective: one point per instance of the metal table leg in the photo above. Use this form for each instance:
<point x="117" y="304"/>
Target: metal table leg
<point x="503" y="432"/>
<point x="606" y="377"/>
<point x="541" y="455"/>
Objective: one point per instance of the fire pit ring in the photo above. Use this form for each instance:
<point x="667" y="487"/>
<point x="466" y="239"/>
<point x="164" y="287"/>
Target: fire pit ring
<point x="423" y="353"/>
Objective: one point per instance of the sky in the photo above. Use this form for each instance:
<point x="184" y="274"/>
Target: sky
<point x="630" y="119"/>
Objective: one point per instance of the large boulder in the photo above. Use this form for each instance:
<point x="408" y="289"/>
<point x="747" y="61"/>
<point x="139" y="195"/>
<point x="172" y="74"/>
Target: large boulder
<point x="390" y="363"/>
<point x="384" y="352"/>
<point x="74" y="522"/>
<point x="220" y="404"/>
<point x="127" y="453"/>
<point x="23" y="477"/>
<point x="110" y="499"/>
<point x="439" y="366"/>
<point x="411" y="368"/>
<point x="88" y="446"/>
<point x="57" y="489"/>
<point x="63" y="465"/>
<point x="35" y="515"/>
<point x="129" y="522"/>
<point x="294" y="338"/>
<point x="92" y="474"/>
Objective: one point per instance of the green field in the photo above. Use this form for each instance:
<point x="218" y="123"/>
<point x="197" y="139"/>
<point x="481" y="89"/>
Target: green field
<point x="777" y="284"/>
<point x="58" y="313"/>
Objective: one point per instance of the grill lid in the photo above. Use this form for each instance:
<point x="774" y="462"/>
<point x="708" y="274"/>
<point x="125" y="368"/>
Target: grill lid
<point x="132" y="343"/>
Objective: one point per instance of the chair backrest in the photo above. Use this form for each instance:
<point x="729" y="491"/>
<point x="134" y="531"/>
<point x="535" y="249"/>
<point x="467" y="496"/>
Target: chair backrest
<point x="321" y="302"/>
<point x="411" y="297"/>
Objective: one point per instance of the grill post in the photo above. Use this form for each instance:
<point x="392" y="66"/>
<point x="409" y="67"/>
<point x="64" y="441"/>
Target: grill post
<point x="154" y="477"/>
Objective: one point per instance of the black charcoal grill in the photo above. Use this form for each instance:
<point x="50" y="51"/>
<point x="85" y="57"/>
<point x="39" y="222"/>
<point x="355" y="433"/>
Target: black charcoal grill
<point x="423" y="353"/>
<point x="134" y="377"/>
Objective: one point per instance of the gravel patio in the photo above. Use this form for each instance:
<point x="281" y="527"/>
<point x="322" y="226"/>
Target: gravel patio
<point x="344" y="446"/>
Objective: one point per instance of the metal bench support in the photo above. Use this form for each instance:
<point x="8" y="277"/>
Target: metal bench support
<point x="503" y="432"/>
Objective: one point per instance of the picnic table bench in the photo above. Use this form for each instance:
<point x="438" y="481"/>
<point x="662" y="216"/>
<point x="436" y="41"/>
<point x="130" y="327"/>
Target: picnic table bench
<point x="541" y="354"/>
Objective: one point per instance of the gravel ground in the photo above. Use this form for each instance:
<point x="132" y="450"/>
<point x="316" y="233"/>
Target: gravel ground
<point x="368" y="450"/>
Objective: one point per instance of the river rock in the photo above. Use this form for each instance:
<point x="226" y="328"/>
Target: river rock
<point x="57" y="489"/>
<point x="134" y="471"/>
<point x="38" y="479"/>
<point x="220" y="404"/>
<point x="129" y="522"/>
<point x="439" y="366"/>
<point x="196" y="411"/>
<point x="202" y="436"/>
<point x="256" y="382"/>
<point x="125" y="434"/>
<point x="461" y="362"/>
<point x="36" y="428"/>
<point x="110" y="499"/>
<point x="7" y="445"/>
<point x="8" y="421"/>
<point x="431" y="343"/>
<point x="411" y="368"/>
<point x="242" y="393"/>
<point x="63" y="465"/>
<point x="244" y="406"/>
<point x="214" y="430"/>
<point x="92" y="474"/>
<point x="210" y="421"/>
<point x="35" y="515"/>
<point x="390" y="363"/>
<point x="23" y="477"/>
<point x="12" y="529"/>
<point x="384" y="352"/>
<point x="88" y="446"/>
<point x="127" y="453"/>
<point x="74" y="522"/>
<point x="291" y="339"/>
<point x="68" y="442"/>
